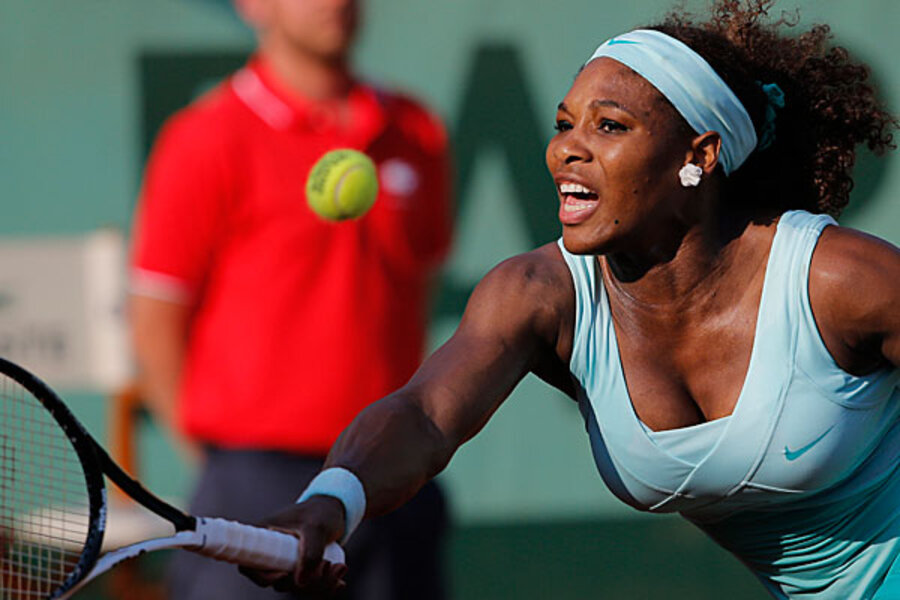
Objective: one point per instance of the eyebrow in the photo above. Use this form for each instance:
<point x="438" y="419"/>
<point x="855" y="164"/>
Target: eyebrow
<point x="597" y="104"/>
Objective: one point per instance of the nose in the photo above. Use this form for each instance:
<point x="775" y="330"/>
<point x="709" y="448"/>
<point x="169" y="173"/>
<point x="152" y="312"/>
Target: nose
<point x="569" y="149"/>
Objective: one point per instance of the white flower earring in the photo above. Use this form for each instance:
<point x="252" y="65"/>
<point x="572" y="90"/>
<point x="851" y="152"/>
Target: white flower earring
<point x="690" y="175"/>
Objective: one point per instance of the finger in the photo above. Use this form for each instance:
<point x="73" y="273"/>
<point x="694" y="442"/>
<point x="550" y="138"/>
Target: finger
<point x="309" y="564"/>
<point x="285" y="584"/>
<point x="312" y="573"/>
<point x="336" y="578"/>
<point x="337" y="571"/>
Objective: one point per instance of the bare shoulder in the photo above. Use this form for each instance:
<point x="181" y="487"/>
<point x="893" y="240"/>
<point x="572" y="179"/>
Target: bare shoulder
<point x="533" y="281"/>
<point x="847" y="257"/>
<point x="526" y="306"/>
<point x="543" y="267"/>
<point x="530" y="294"/>
<point x="854" y="289"/>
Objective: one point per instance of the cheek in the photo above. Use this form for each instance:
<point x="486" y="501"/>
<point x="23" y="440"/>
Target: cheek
<point x="628" y="177"/>
<point x="292" y="13"/>
<point x="643" y="176"/>
<point x="635" y="189"/>
<point x="652" y="153"/>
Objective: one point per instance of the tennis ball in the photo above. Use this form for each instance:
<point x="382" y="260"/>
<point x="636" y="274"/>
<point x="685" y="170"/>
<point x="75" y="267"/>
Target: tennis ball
<point x="342" y="185"/>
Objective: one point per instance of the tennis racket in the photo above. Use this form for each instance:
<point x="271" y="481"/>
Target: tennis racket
<point x="53" y="503"/>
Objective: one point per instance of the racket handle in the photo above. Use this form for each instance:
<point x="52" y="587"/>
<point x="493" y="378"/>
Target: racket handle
<point x="254" y="547"/>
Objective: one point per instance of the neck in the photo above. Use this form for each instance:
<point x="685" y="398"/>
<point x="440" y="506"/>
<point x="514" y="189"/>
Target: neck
<point x="306" y="74"/>
<point x="686" y="273"/>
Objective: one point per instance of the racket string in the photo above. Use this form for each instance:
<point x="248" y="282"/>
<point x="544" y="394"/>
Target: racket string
<point x="44" y="513"/>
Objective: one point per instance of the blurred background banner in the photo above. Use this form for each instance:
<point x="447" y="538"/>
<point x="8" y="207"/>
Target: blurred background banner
<point x="61" y="308"/>
<point x="87" y="83"/>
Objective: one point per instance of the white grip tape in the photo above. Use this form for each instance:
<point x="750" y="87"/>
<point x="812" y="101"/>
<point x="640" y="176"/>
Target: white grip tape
<point x="254" y="547"/>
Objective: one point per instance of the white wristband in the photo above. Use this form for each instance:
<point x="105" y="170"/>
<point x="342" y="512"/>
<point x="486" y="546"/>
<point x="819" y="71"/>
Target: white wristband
<point x="343" y="485"/>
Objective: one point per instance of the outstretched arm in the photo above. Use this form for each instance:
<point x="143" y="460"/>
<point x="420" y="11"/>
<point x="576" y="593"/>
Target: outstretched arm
<point x="515" y="323"/>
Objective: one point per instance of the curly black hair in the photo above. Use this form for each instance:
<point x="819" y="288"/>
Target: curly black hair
<point x="830" y="107"/>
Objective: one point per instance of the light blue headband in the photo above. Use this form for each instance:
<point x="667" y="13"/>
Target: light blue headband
<point x="691" y="85"/>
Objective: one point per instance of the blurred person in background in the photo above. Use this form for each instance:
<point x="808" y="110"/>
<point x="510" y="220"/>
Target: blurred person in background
<point x="261" y="330"/>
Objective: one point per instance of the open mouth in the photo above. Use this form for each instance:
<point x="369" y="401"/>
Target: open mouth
<point x="576" y="197"/>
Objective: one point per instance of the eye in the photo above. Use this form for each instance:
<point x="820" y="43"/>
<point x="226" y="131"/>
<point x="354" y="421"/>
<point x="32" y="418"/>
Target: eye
<point x="562" y="125"/>
<point x="610" y="126"/>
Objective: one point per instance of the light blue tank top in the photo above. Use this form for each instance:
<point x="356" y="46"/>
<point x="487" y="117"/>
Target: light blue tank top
<point x="802" y="481"/>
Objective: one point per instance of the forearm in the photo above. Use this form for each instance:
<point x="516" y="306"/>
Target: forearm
<point x="394" y="448"/>
<point x="159" y="337"/>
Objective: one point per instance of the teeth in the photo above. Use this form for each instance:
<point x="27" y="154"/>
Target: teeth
<point x="574" y="188"/>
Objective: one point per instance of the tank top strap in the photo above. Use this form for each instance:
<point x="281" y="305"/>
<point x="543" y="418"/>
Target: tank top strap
<point x="789" y="261"/>
<point x="788" y="268"/>
<point x="585" y="279"/>
<point x="813" y="357"/>
<point x="595" y="361"/>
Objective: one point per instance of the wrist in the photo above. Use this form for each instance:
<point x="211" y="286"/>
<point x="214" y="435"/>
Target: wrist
<point x="344" y="486"/>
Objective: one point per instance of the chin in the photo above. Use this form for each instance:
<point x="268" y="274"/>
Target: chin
<point x="335" y="50"/>
<point x="582" y="244"/>
<point x="596" y="239"/>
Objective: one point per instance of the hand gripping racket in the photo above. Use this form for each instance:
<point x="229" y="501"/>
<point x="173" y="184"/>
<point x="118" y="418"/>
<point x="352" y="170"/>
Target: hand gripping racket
<point x="53" y="503"/>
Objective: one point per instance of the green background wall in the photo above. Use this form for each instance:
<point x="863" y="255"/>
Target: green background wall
<point x="73" y="119"/>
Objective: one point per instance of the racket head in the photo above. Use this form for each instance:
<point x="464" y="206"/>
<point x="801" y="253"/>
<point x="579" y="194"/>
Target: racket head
<point x="52" y="494"/>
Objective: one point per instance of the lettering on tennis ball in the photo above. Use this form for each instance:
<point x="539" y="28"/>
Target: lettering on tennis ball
<point x="342" y="185"/>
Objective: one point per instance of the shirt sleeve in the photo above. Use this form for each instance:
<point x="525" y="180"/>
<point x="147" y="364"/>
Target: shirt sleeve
<point x="438" y="222"/>
<point x="180" y="212"/>
<point x="420" y="239"/>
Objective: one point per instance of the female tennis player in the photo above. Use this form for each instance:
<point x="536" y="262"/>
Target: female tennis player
<point x="734" y="352"/>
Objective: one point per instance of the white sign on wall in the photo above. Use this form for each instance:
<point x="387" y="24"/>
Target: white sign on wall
<point x="62" y="308"/>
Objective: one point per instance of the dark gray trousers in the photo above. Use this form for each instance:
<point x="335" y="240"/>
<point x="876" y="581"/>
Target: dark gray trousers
<point x="398" y="556"/>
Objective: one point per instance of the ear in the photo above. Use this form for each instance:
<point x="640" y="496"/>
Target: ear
<point x="704" y="151"/>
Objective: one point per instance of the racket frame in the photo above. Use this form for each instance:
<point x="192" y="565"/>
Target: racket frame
<point x="95" y="462"/>
<point x="213" y="537"/>
<point x="85" y="449"/>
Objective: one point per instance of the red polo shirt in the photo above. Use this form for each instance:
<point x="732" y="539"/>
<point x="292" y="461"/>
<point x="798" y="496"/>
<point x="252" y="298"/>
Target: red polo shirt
<point x="298" y="323"/>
